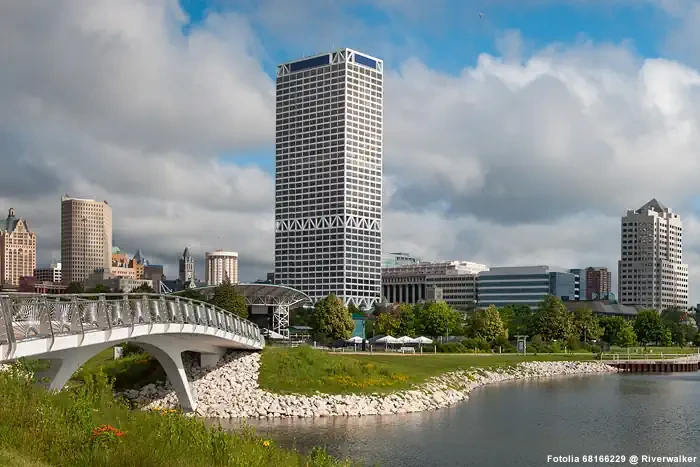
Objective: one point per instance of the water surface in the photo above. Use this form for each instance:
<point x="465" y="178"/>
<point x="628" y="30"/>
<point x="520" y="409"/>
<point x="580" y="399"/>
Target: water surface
<point x="519" y="424"/>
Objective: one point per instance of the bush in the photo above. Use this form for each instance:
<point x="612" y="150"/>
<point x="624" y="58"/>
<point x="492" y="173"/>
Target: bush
<point x="572" y="343"/>
<point x="479" y="343"/>
<point x="453" y="347"/>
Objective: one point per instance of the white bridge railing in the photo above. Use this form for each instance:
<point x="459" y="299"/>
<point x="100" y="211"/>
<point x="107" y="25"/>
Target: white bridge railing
<point x="32" y="316"/>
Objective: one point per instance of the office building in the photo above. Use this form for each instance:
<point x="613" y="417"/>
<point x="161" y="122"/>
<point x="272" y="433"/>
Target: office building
<point x="598" y="283"/>
<point x="651" y="272"/>
<point x="219" y="266"/>
<point x="49" y="274"/>
<point x="17" y="250"/>
<point x="453" y="282"/>
<point x="86" y="238"/>
<point x="579" y="283"/>
<point x="328" y="188"/>
<point x="393" y="260"/>
<point x="186" y="267"/>
<point x="524" y="285"/>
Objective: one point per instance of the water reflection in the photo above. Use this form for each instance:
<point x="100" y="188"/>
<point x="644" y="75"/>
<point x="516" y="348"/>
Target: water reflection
<point x="518" y="423"/>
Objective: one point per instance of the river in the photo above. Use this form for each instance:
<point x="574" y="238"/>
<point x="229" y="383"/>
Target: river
<point x="519" y="424"/>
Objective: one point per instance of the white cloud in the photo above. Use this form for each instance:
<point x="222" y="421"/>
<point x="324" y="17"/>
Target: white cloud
<point x="110" y="100"/>
<point x="529" y="159"/>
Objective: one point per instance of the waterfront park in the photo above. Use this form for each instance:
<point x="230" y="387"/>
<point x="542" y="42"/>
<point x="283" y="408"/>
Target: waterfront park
<point x="91" y="423"/>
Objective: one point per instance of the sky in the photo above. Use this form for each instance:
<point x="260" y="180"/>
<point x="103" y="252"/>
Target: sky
<point x="519" y="138"/>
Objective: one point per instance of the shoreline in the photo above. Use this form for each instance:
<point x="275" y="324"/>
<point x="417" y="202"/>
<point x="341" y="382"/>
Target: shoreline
<point x="231" y="391"/>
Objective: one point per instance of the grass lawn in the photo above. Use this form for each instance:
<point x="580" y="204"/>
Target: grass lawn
<point x="303" y="370"/>
<point x="42" y="429"/>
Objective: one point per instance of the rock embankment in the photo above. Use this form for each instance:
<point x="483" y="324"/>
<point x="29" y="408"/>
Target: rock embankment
<point x="231" y="391"/>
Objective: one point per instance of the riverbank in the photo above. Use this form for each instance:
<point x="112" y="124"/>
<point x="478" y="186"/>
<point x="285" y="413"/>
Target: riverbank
<point x="88" y="427"/>
<point x="231" y="390"/>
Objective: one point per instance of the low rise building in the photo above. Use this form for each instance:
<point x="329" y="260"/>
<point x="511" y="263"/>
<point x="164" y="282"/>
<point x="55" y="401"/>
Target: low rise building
<point x="114" y="283"/>
<point x="49" y="274"/>
<point x="524" y="285"/>
<point x="453" y="282"/>
<point x="30" y="284"/>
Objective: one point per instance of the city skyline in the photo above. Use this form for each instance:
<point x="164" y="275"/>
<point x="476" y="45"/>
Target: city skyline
<point x="490" y="147"/>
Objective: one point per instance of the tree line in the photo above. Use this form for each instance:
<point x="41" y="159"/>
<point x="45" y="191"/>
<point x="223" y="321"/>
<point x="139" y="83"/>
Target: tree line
<point x="550" y="322"/>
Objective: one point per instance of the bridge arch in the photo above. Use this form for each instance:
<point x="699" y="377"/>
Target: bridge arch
<point x="70" y="329"/>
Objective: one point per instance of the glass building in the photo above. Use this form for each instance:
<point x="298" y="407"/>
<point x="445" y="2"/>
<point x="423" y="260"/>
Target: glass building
<point x="523" y="285"/>
<point x="328" y="188"/>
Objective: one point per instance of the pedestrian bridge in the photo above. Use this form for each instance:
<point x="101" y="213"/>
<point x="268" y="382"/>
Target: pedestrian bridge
<point x="68" y="330"/>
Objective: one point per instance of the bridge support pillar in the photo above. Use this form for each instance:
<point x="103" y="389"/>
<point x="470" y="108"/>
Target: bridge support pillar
<point x="65" y="363"/>
<point x="209" y="360"/>
<point x="170" y="358"/>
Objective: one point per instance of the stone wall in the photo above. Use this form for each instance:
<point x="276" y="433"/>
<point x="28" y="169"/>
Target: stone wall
<point x="231" y="390"/>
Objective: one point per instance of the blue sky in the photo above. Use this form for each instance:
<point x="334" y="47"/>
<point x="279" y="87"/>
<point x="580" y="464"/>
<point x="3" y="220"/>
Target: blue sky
<point x="447" y="37"/>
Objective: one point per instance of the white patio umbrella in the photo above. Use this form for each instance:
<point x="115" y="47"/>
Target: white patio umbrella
<point x="423" y="340"/>
<point x="406" y="340"/>
<point x="386" y="340"/>
<point x="354" y="340"/>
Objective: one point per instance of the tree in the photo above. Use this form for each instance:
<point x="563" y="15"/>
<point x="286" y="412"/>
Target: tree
<point x="191" y="293"/>
<point x="519" y="320"/>
<point x="612" y="326"/>
<point x="488" y="324"/>
<point x="666" y="338"/>
<point x="437" y="319"/>
<point x="145" y="288"/>
<point x="226" y="297"/>
<point x="75" y="287"/>
<point x="626" y="336"/>
<point x="586" y="324"/>
<point x="407" y="318"/>
<point x="648" y="327"/>
<point x="332" y="319"/>
<point x="555" y="321"/>
<point x="696" y="340"/>
<point x="99" y="288"/>
<point x="386" y="324"/>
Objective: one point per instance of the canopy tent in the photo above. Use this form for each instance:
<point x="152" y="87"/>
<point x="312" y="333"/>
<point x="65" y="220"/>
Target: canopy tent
<point x="387" y="340"/>
<point x="354" y="340"/>
<point x="423" y="340"/>
<point x="406" y="340"/>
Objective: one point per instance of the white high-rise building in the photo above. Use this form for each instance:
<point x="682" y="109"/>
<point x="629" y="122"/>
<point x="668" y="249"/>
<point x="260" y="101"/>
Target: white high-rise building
<point x="651" y="272"/>
<point x="219" y="266"/>
<point x="328" y="190"/>
<point x="86" y="238"/>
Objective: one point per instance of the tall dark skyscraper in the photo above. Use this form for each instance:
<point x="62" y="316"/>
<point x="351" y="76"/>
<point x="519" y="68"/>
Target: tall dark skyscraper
<point x="328" y="190"/>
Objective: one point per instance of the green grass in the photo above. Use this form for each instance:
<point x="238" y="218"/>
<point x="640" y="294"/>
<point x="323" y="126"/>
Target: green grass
<point x="41" y="429"/>
<point x="131" y="371"/>
<point x="303" y="370"/>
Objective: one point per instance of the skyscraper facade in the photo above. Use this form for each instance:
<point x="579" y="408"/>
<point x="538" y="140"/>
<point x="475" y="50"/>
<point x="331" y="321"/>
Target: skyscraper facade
<point x="328" y="190"/>
<point x="86" y="238"/>
<point x="219" y="266"/>
<point x="651" y="272"/>
<point x="17" y="250"/>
